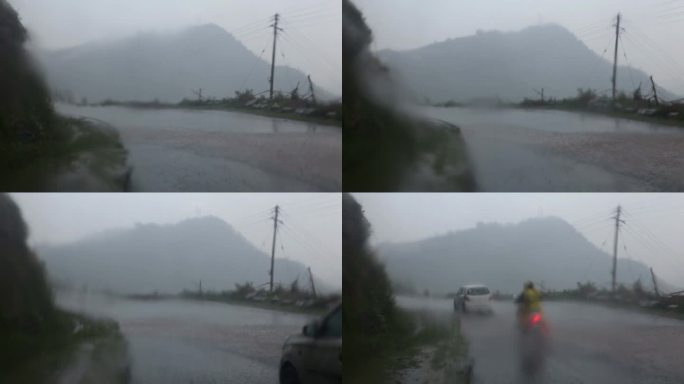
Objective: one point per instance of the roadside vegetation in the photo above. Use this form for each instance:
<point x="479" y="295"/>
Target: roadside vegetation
<point x="287" y="106"/>
<point x="290" y="299"/>
<point x="634" y="296"/>
<point x="79" y="155"/>
<point x="37" y="146"/>
<point x="384" y="147"/>
<point x="383" y="342"/>
<point x="634" y="106"/>
<point x="40" y="341"/>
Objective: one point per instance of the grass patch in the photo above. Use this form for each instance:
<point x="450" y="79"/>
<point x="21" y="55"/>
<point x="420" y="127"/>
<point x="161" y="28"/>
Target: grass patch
<point x="384" y="357"/>
<point x="451" y="347"/>
<point x="30" y="166"/>
<point x="34" y="356"/>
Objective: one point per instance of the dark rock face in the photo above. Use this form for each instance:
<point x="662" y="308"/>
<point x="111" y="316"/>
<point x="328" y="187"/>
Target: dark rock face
<point x="25" y="298"/>
<point x="26" y="113"/>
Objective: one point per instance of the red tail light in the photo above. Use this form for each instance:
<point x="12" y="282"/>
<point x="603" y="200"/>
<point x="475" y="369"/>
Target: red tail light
<point x="536" y="318"/>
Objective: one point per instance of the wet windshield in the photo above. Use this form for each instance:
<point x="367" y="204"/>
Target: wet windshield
<point x="478" y="291"/>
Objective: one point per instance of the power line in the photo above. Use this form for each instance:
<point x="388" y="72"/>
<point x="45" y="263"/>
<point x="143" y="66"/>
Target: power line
<point x="320" y="7"/>
<point x="653" y="246"/>
<point x="252" y="69"/>
<point x="332" y="74"/>
<point x="248" y="26"/>
<point x="661" y="243"/>
<point x="655" y="47"/>
<point x="624" y="52"/>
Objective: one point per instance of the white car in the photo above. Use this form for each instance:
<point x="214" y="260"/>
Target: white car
<point x="473" y="298"/>
<point x="315" y="355"/>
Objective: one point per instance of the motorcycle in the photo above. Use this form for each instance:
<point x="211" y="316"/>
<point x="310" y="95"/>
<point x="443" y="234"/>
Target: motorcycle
<point x="533" y="341"/>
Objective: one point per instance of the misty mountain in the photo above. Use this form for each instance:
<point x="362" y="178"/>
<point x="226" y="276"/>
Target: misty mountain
<point x="167" y="67"/>
<point x="166" y="258"/>
<point x="545" y="250"/>
<point x="509" y="66"/>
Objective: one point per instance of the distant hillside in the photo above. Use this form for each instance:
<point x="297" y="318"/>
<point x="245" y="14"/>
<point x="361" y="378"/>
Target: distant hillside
<point x="509" y="66"/>
<point x="504" y="257"/>
<point x="166" y="67"/>
<point x="166" y="258"/>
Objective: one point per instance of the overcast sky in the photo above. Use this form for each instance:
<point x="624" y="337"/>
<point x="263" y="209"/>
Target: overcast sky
<point x="311" y="42"/>
<point x="652" y="233"/>
<point x="311" y="234"/>
<point x="654" y="29"/>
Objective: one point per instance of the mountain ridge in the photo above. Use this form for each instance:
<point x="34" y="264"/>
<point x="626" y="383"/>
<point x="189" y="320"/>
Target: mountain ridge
<point x="504" y="256"/>
<point x="164" y="66"/>
<point x="165" y="258"/>
<point x="508" y="66"/>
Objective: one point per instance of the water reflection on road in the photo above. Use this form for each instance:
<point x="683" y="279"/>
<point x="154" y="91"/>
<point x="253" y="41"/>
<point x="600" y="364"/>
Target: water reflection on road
<point x="588" y="344"/>
<point x="211" y="151"/>
<point x="178" y="341"/>
<point x="545" y="150"/>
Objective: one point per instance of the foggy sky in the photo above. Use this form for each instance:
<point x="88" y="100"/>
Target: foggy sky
<point x="312" y="40"/>
<point x="313" y="221"/>
<point x="652" y="39"/>
<point x="405" y="217"/>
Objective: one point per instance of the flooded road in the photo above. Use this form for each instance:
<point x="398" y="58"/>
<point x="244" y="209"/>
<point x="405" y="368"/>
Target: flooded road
<point x="588" y="344"/>
<point x="215" y="151"/>
<point x="177" y="341"/>
<point x="516" y="150"/>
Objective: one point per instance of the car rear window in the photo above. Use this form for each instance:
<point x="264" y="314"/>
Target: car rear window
<point x="478" y="291"/>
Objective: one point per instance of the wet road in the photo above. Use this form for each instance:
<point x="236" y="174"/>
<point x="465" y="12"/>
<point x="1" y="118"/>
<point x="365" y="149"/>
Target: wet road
<point x="588" y="344"/>
<point x="175" y="341"/>
<point x="221" y="151"/>
<point x="518" y="150"/>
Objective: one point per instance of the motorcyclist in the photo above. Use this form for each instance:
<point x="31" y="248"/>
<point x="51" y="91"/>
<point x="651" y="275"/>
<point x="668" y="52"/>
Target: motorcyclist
<point x="529" y="302"/>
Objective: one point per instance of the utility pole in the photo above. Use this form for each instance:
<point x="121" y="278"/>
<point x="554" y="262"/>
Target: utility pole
<point x="311" y="89"/>
<point x="273" y="55"/>
<point x="615" y="59"/>
<point x="198" y="94"/>
<point x="655" y="92"/>
<point x="541" y="94"/>
<point x="313" y="287"/>
<point x="275" y="230"/>
<point x="655" y="283"/>
<point x="615" y="247"/>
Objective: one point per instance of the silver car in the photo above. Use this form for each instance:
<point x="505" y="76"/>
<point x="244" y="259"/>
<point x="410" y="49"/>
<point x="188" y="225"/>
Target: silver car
<point x="473" y="298"/>
<point x="315" y="355"/>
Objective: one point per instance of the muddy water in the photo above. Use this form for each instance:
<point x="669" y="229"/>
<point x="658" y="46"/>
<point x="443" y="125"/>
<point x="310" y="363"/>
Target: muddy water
<point x="177" y="341"/>
<point x="212" y="151"/>
<point x="535" y="150"/>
